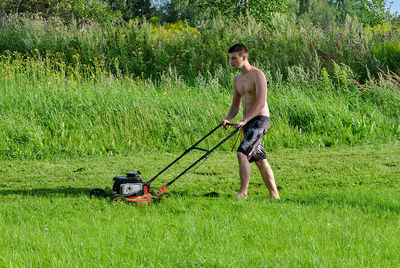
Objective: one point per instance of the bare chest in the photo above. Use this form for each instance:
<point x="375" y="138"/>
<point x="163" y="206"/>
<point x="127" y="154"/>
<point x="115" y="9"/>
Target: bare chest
<point x="245" y="86"/>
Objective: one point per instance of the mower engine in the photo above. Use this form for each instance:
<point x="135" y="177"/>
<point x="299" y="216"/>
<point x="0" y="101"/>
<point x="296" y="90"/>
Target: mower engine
<point x="131" y="188"/>
<point x="131" y="185"/>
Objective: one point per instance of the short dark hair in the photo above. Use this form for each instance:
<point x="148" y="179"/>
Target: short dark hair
<point x="240" y="48"/>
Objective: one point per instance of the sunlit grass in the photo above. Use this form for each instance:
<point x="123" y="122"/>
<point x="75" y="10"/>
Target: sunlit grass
<point x="48" y="111"/>
<point x="340" y="207"/>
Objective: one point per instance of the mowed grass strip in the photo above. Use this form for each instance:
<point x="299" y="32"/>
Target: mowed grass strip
<point x="339" y="207"/>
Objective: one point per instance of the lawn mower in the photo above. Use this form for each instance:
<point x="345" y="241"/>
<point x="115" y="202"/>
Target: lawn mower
<point x="133" y="189"/>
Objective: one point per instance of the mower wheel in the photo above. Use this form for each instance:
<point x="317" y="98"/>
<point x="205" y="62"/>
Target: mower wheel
<point x="97" y="192"/>
<point x="118" y="199"/>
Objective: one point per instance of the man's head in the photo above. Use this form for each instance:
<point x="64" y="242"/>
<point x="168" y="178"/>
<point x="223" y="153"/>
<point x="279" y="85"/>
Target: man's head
<point x="238" y="54"/>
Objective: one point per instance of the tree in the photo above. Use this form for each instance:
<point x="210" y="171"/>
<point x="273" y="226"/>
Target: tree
<point x="263" y="10"/>
<point x="329" y="13"/>
<point x="131" y="9"/>
<point x="377" y="11"/>
<point x="80" y="10"/>
<point x="195" y="10"/>
<point x="183" y="10"/>
<point x="304" y="5"/>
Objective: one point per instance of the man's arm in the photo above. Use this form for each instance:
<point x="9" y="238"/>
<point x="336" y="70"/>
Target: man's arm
<point x="261" y="93"/>
<point x="235" y="106"/>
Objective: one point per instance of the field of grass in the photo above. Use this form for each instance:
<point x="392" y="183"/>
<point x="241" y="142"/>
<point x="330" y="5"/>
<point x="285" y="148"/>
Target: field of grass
<point x="340" y="207"/>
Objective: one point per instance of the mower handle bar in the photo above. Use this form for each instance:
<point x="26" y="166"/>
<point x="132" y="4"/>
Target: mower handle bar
<point x="191" y="148"/>
<point x="201" y="158"/>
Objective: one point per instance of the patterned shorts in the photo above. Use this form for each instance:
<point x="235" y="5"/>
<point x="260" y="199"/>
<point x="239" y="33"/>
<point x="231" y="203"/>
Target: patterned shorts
<point x="252" y="144"/>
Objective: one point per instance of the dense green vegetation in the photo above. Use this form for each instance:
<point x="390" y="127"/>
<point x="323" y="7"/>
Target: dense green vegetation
<point x="117" y="87"/>
<point x="93" y="89"/>
<point x="340" y="207"/>
<point x="148" y="49"/>
<point x="128" y="39"/>
<point x="46" y="111"/>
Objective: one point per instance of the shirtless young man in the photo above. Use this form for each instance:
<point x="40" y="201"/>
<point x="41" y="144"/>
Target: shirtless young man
<point x="250" y="86"/>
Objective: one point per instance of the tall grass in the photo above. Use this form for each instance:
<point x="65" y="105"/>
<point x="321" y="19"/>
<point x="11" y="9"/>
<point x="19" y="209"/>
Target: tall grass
<point x="148" y="50"/>
<point x="46" y="111"/>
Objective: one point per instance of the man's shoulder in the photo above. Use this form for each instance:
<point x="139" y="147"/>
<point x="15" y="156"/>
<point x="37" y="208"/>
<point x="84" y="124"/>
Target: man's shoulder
<point x="258" y="72"/>
<point x="236" y="77"/>
<point x="256" y="75"/>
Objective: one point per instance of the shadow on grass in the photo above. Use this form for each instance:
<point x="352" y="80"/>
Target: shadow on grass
<point x="73" y="191"/>
<point x="211" y="194"/>
<point x="61" y="191"/>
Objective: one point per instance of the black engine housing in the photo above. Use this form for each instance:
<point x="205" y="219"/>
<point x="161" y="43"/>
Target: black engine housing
<point x="131" y="177"/>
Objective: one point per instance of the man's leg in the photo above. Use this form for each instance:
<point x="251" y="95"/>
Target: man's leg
<point x="244" y="173"/>
<point x="268" y="176"/>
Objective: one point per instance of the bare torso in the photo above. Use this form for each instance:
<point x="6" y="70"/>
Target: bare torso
<point x="246" y="87"/>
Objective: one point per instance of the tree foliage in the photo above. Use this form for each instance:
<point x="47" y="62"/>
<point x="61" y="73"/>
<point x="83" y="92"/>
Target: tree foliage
<point x="376" y="11"/>
<point x="131" y="9"/>
<point x="325" y="13"/>
<point x="197" y="10"/>
<point x="263" y="10"/>
<point x="332" y="13"/>
<point x="80" y="10"/>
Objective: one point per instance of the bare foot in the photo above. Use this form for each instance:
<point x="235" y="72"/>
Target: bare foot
<point x="241" y="196"/>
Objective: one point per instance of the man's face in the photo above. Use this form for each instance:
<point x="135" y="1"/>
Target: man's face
<point x="236" y="59"/>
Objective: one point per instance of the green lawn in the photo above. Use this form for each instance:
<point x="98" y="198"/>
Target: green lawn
<point x="340" y="207"/>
